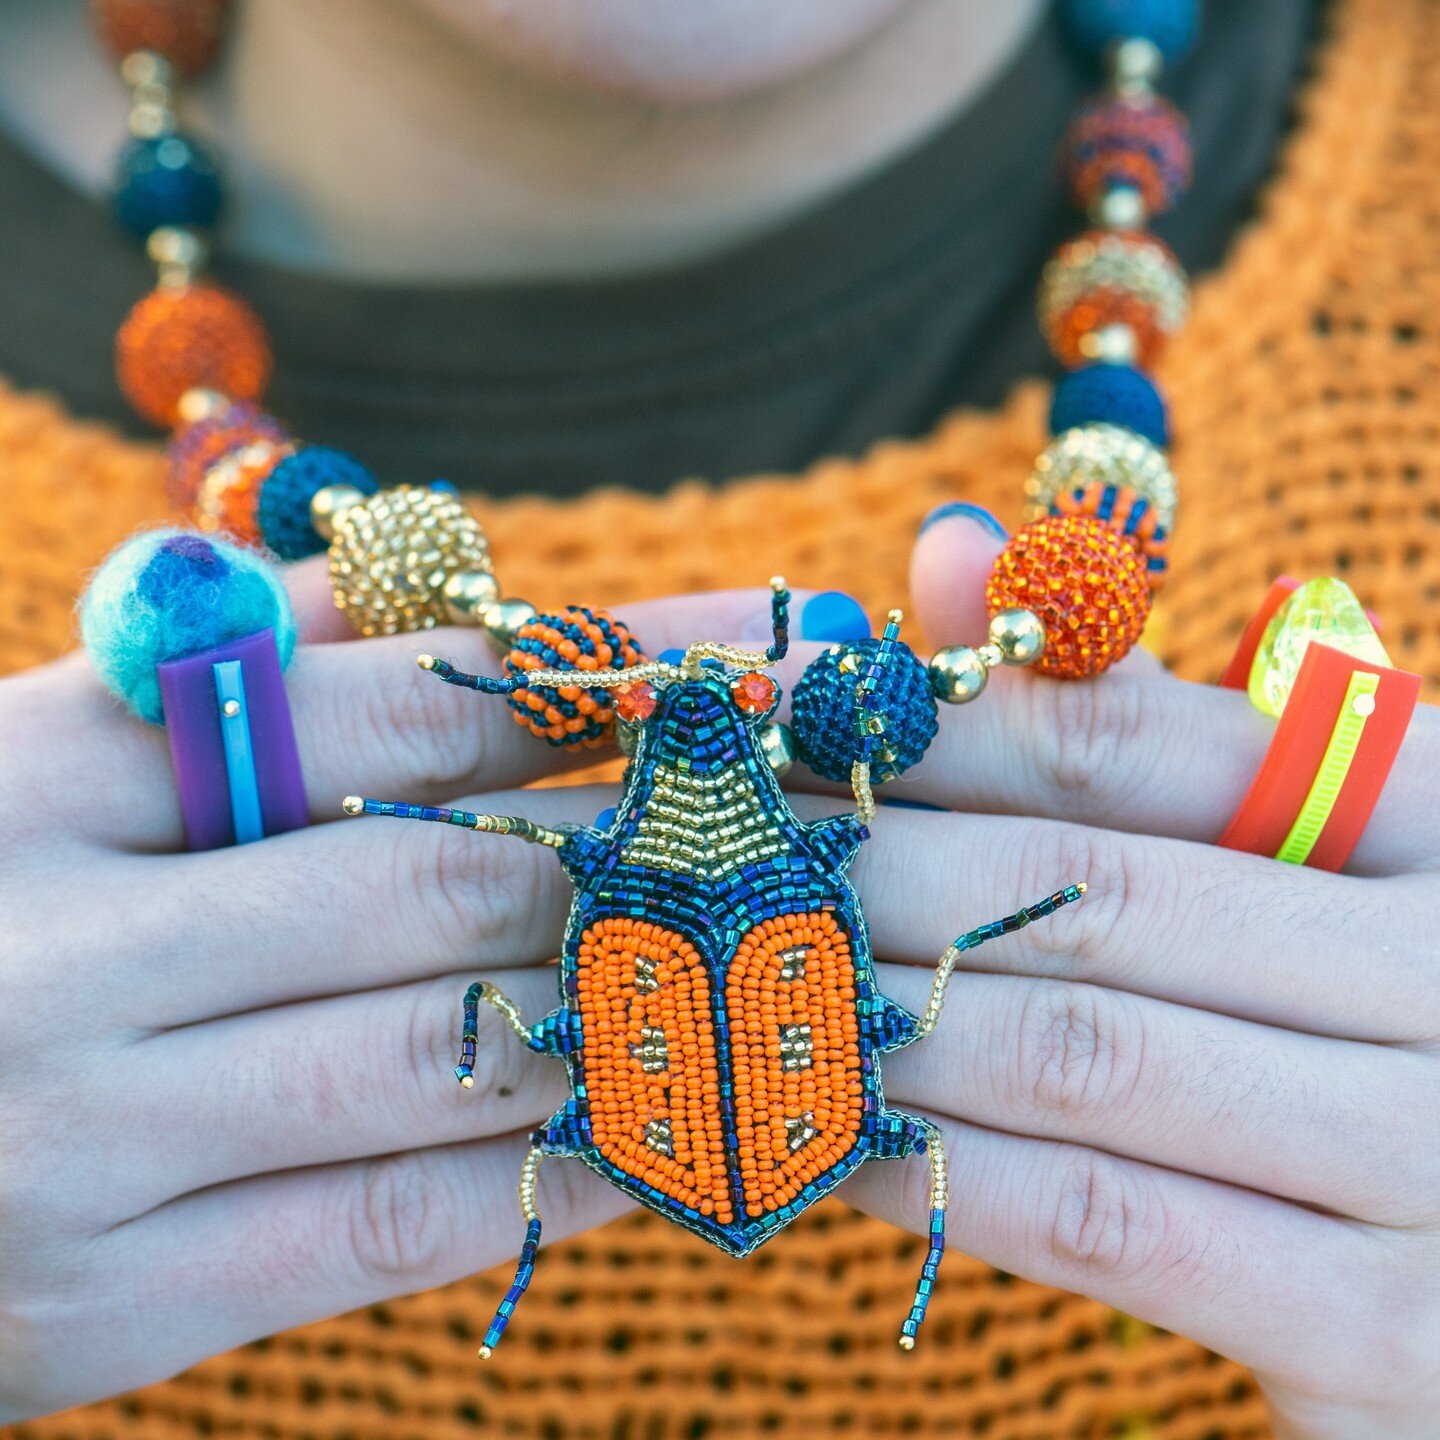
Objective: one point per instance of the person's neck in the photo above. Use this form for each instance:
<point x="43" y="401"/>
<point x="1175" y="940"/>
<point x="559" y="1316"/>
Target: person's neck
<point x="361" y="139"/>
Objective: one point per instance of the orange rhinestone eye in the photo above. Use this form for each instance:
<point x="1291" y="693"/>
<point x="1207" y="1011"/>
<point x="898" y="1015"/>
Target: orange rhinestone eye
<point x="754" y="693"/>
<point x="636" y="702"/>
<point x="175" y="340"/>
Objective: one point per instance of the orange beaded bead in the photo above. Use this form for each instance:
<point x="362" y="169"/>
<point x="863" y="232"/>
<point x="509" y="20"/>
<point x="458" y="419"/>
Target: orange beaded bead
<point x="1087" y="584"/>
<point x="181" y="338"/>
<point x="187" y="33"/>
<point x="1072" y="331"/>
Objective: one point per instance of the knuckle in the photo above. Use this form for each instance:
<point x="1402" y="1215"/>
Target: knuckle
<point x="1078" y="1052"/>
<point x="1093" y="736"/>
<point x="1130" y="889"/>
<point x="1108" y="1219"/>
<point x="401" y="1220"/>
<point x="433" y="736"/>
<point x="470" y="894"/>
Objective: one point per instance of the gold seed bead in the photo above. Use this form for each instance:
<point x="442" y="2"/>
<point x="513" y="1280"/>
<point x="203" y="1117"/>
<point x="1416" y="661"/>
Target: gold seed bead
<point x="353" y="805"/>
<point x="202" y="404"/>
<point x="231" y="708"/>
<point x="425" y="662"/>
<point x="467" y="594"/>
<point x="1019" y="634"/>
<point x="778" y="746"/>
<point x="990" y="654"/>
<point x="1120" y="207"/>
<point x="957" y="674"/>
<point x="1135" y="65"/>
<point x="146" y="67"/>
<point x="503" y="619"/>
<point x="174" y="248"/>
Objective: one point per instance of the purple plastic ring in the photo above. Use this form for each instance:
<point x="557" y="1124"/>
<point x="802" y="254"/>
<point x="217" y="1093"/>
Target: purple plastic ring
<point x="233" y="743"/>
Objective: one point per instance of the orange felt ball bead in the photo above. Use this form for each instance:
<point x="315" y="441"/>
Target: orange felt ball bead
<point x="193" y="336"/>
<point x="1087" y="584"/>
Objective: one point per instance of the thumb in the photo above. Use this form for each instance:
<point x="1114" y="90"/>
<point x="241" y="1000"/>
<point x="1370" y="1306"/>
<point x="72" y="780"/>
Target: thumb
<point x="953" y="554"/>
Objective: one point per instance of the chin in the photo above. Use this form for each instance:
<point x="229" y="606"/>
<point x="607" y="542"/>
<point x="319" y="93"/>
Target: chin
<point x="685" y="51"/>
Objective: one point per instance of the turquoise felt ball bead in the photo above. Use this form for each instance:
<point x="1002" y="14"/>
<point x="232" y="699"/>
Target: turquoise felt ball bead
<point x="823" y="711"/>
<point x="169" y="593"/>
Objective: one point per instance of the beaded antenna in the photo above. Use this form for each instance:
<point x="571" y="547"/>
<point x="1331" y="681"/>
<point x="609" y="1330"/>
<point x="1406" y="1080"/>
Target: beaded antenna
<point x="719" y="1014"/>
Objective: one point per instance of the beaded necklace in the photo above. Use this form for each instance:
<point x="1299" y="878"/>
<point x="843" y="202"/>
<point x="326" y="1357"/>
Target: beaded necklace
<point x="719" y="1014"/>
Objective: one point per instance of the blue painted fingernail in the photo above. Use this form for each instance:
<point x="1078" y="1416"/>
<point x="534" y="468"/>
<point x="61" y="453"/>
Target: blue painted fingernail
<point x="670" y="657"/>
<point x="833" y="615"/>
<point x="606" y="818"/>
<point x="977" y="514"/>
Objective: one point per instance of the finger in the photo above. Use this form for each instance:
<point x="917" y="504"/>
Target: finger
<point x="316" y="616"/>
<point x="1134" y="749"/>
<point x="953" y="554"/>
<point x="1204" y="1259"/>
<point x="366" y="719"/>
<point x="1193" y="924"/>
<point x="263" y="1255"/>
<point x="369" y="903"/>
<point x="1291" y="1115"/>
<point x="370" y="1073"/>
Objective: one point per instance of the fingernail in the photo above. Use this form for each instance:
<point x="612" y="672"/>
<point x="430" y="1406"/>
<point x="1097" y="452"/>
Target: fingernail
<point x="670" y="657"/>
<point x="976" y="514"/>
<point x="834" y="615"/>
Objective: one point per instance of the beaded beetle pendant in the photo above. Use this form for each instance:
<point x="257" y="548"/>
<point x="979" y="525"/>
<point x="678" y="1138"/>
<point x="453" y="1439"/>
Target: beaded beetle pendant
<point x="719" y="1014"/>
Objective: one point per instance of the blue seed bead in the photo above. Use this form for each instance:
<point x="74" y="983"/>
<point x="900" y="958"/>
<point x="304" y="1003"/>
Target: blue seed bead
<point x="1111" y="395"/>
<point x="283" y="510"/>
<point x="168" y="180"/>
<point x="823" y="711"/>
<point x="1169" y="25"/>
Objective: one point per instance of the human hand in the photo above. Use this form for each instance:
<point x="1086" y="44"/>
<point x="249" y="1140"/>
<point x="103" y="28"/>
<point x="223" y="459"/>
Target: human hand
<point x="226" y="1100"/>
<point x="1207" y="1094"/>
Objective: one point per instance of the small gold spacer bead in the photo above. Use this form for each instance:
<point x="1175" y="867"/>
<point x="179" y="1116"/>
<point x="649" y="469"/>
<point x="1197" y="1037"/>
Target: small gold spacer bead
<point x="907" y="1342"/>
<point x="468" y="1083"/>
<point x="894" y="617"/>
<point x="1083" y="886"/>
<point x="425" y="662"/>
<point x="353" y="805"/>
<point x="201" y="404"/>
<point x="231" y="708"/>
<point x="485" y="1352"/>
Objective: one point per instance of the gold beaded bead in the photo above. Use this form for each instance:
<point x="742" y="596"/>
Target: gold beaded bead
<point x="393" y="552"/>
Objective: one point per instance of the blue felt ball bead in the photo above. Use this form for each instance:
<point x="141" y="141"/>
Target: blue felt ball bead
<point x="1110" y="395"/>
<point x="167" y="180"/>
<point x="1169" y="25"/>
<point x="823" y="711"/>
<point x="282" y="512"/>
<point x="166" y="594"/>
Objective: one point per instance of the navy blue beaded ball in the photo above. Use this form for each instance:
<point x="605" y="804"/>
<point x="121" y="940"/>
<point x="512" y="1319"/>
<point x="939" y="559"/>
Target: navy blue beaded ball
<point x="282" y="514"/>
<point x="1108" y="394"/>
<point x="168" y="180"/>
<point x="823" y="711"/>
<point x="1169" y="25"/>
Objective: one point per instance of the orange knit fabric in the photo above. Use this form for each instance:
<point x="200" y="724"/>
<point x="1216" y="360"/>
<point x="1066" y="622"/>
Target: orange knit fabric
<point x="1305" y="390"/>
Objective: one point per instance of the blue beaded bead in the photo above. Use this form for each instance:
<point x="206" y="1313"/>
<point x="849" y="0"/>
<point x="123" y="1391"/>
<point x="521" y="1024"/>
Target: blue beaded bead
<point x="282" y="513"/>
<point x="1169" y="25"/>
<point x="823" y="711"/>
<point x="1110" y="395"/>
<point x="168" y="180"/>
